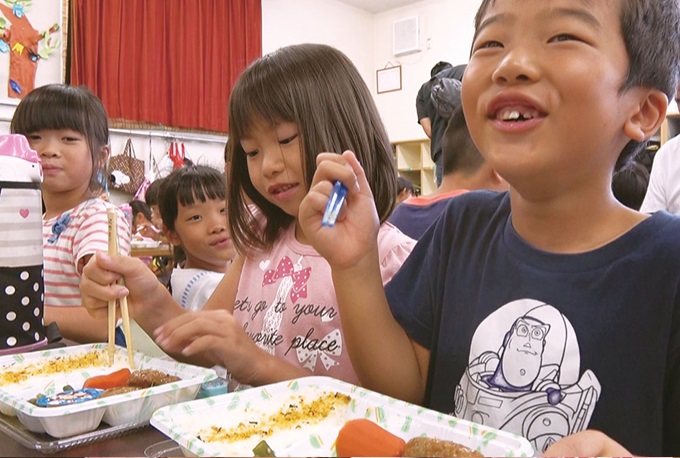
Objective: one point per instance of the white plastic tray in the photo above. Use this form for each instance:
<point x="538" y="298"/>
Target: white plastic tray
<point x="184" y="422"/>
<point x="132" y="408"/>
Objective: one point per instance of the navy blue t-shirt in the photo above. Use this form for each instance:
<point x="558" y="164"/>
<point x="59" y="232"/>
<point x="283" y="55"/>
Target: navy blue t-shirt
<point x="541" y="344"/>
<point x="413" y="220"/>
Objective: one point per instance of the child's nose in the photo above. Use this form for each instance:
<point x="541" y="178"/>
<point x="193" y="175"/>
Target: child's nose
<point x="273" y="163"/>
<point x="48" y="148"/>
<point x="518" y="65"/>
<point x="218" y="223"/>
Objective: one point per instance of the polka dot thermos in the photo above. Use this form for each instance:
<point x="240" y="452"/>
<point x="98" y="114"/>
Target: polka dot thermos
<point x="21" y="247"/>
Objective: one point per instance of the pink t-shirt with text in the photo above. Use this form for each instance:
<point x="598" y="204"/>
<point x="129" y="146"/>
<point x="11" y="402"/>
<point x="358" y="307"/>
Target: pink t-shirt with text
<point x="287" y="304"/>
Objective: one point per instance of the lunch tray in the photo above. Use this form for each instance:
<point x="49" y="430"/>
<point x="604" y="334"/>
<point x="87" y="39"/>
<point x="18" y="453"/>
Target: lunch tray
<point x="183" y="422"/>
<point x="77" y="419"/>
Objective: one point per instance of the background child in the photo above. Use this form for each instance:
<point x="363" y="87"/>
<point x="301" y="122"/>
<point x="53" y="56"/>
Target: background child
<point x="663" y="191"/>
<point x="285" y="109"/>
<point x="629" y="184"/>
<point x="68" y="127"/>
<point x="151" y="198"/>
<point x="464" y="170"/>
<point x="509" y="308"/>
<point x="193" y="209"/>
<point x="142" y="226"/>
<point x="160" y="265"/>
<point x="405" y="189"/>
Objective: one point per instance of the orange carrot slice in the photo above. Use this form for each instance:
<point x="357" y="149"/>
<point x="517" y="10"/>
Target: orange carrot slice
<point x="363" y="437"/>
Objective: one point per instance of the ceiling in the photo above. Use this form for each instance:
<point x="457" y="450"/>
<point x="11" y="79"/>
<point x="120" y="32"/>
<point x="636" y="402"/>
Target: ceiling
<point x="378" y="6"/>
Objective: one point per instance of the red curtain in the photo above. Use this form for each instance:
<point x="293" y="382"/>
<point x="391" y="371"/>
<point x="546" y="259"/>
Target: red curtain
<point x="171" y="62"/>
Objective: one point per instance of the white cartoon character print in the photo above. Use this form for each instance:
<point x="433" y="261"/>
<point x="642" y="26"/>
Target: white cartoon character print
<point x="525" y="379"/>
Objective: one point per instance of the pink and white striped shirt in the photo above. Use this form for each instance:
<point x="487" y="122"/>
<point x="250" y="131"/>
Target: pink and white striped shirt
<point x="78" y="232"/>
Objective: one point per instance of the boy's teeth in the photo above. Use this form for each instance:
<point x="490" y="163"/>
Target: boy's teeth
<point x="515" y="115"/>
<point x="510" y="115"/>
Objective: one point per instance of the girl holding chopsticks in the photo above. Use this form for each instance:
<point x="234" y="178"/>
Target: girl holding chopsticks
<point x="68" y="127"/>
<point x="274" y="316"/>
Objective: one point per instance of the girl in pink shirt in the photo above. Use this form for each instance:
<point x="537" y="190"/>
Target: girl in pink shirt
<point x="274" y="316"/>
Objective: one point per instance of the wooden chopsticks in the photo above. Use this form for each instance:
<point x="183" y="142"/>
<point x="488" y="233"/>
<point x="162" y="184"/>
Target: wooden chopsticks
<point x="114" y="248"/>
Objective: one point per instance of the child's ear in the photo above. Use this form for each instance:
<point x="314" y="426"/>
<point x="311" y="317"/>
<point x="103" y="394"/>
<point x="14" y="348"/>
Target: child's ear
<point x="104" y="158"/>
<point x="172" y="236"/>
<point x="648" y="116"/>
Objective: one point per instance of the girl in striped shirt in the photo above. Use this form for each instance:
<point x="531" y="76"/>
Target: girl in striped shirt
<point x="68" y="127"/>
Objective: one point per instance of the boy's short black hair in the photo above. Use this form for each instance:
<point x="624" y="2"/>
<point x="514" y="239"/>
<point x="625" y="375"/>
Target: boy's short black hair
<point x="651" y="33"/>
<point x="459" y="152"/>
<point x="186" y="185"/>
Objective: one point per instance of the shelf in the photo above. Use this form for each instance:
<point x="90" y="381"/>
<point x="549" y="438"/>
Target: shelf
<point x="413" y="162"/>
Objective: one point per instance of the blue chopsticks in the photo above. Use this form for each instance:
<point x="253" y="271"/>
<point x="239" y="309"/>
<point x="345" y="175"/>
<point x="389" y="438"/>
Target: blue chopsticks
<point x="337" y="197"/>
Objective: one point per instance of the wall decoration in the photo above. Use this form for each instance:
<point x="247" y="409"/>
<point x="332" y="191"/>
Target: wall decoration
<point x="25" y="45"/>
<point x="388" y="79"/>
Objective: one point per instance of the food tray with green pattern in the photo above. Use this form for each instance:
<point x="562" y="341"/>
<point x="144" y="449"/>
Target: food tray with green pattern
<point x="24" y="375"/>
<point x="194" y="425"/>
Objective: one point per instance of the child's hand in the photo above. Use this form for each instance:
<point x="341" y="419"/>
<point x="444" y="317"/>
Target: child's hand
<point x="211" y="337"/>
<point x="148" y="230"/>
<point x="98" y="282"/>
<point x="355" y="232"/>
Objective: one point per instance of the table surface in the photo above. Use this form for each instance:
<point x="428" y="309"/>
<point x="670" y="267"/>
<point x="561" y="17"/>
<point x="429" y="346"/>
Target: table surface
<point x="132" y="444"/>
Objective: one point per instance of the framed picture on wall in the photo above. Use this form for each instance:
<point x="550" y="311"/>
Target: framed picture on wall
<point x="388" y="79"/>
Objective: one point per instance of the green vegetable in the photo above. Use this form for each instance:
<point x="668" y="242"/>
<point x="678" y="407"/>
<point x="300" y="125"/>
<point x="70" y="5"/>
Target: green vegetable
<point x="263" y="449"/>
<point x="67" y="388"/>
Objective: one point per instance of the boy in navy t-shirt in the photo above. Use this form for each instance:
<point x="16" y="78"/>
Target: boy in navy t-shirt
<point x="553" y="308"/>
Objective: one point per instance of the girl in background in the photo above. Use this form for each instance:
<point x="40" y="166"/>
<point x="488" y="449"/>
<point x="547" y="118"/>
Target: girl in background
<point x="143" y="228"/>
<point x="151" y="197"/>
<point x="274" y="316"/>
<point x="68" y="127"/>
<point x="193" y="208"/>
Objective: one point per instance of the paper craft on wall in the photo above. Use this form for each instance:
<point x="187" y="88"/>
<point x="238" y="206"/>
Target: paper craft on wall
<point x="26" y="46"/>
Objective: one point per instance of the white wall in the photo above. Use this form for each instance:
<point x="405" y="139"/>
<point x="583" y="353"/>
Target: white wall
<point x="447" y="25"/>
<point x="350" y="29"/>
<point x="446" y="30"/>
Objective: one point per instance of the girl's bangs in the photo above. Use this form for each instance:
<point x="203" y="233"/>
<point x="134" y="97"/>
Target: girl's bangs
<point x="65" y="113"/>
<point x="201" y="187"/>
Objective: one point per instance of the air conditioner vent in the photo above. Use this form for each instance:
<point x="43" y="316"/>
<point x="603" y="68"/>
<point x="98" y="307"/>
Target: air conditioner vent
<point x="406" y="37"/>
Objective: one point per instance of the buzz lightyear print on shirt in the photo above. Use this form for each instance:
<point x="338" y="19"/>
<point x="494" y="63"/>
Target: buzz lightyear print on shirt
<point x="523" y="375"/>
